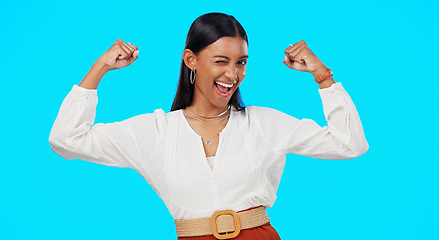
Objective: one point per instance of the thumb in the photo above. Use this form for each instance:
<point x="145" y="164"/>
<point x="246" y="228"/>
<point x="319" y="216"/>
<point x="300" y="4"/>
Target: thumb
<point x="135" y="54"/>
<point x="133" y="57"/>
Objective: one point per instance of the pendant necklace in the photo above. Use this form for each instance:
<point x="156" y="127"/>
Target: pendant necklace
<point x="207" y="142"/>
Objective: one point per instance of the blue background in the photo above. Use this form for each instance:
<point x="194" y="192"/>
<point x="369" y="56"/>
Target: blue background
<point x="383" y="52"/>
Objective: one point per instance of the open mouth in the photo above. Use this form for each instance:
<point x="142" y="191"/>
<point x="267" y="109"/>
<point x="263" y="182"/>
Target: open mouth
<point x="224" y="89"/>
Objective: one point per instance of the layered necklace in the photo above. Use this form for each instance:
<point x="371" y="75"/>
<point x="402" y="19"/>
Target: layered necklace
<point x="219" y="115"/>
<point x="207" y="140"/>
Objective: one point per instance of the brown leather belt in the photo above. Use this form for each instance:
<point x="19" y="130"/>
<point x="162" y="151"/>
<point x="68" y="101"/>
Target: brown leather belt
<point x="224" y="224"/>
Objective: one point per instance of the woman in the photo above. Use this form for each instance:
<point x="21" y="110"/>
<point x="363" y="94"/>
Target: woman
<point x="215" y="163"/>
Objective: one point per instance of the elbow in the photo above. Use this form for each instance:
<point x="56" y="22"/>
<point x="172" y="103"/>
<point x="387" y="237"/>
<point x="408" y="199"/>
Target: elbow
<point x="56" y="143"/>
<point x="56" y="139"/>
<point x="364" y="148"/>
<point x="357" y="150"/>
<point x="59" y="145"/>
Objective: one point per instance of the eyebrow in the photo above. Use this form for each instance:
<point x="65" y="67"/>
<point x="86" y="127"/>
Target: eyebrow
<point x="221" y="56"/>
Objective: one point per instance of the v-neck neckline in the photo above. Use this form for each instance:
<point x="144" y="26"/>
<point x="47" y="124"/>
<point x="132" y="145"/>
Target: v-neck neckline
<point x="200" y="144"/>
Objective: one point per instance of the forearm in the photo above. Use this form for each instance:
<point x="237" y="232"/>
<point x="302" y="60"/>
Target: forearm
<point x="94" y="76"/>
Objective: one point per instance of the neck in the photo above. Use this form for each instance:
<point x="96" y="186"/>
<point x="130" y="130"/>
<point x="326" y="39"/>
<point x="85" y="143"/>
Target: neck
<point x="203" y="111"/>
<point x="202" y="106"/>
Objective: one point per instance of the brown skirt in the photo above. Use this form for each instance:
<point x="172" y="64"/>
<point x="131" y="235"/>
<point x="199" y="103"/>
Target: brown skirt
<point x="263" y="232"/>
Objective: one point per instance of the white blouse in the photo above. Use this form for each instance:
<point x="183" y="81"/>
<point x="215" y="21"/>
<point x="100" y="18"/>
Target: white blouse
<point x="166" y="151"/>
<point x="210" y="160"/>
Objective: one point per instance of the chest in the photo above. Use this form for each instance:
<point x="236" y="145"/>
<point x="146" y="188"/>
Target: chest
<point x="195" y="183"/>
<point x="240" y="170"/>
<point x="209" y="135"/>
<point x="208" y="130"/>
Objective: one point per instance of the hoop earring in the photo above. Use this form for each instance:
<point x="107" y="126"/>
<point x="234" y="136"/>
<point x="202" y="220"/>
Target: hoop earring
<point x="192" y="76"/>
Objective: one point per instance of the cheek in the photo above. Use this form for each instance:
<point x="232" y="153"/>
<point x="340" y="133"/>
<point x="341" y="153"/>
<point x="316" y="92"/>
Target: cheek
<point x="210" y="73"/>
<point x="204" y="76"/>
<point x="241" y="74"/>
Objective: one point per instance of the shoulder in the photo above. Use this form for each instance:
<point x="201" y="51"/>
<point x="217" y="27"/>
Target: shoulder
<point x="267" y="117"/>
<point x="256" y="111"/>
<point x="156" y="121"/>
<point x="157" y="115"/>
<point x="252" y="115"/>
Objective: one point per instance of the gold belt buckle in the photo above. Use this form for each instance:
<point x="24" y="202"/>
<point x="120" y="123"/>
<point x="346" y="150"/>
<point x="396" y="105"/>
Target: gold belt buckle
<point x="215" y="228"/>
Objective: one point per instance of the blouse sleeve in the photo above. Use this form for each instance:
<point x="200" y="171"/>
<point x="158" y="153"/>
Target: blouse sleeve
<point x="342" y="138"/>
<point x="73" y="135"/>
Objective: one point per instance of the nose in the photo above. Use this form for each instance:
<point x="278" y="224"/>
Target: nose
<point x="232" y="73"/>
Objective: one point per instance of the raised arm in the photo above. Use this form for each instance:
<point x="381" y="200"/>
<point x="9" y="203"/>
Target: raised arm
<point x="74" y="134"/>
<point x="342" y="138"/>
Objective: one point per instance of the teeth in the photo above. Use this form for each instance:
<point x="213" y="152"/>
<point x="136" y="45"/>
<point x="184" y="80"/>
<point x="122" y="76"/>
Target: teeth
<point x="224" y="84"/>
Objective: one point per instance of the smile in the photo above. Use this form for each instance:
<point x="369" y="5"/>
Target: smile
<point x="224" y="89"/>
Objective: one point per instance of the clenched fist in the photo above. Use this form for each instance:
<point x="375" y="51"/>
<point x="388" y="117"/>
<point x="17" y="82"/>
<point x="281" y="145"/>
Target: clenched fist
<point x="301" y="58"/>
<point x="119" y="55"/>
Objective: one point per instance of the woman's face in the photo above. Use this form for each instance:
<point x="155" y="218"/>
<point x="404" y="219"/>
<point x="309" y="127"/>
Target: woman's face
<point x="220" y="69"/>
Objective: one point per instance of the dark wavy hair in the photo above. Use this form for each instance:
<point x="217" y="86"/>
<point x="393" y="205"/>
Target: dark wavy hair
<point x="204" y="31"/>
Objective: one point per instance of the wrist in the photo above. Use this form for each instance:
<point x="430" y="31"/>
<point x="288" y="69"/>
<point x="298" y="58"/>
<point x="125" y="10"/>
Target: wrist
<point x="324" y="77"/>
<point x="94" y="76"/>
<point x="100" y="66"/>
<point x="319" y="71"/>
<point x="326" y="83"/>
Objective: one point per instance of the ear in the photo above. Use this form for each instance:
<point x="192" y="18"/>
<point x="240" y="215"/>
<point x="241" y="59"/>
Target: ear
<point x="189" y="59"/>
